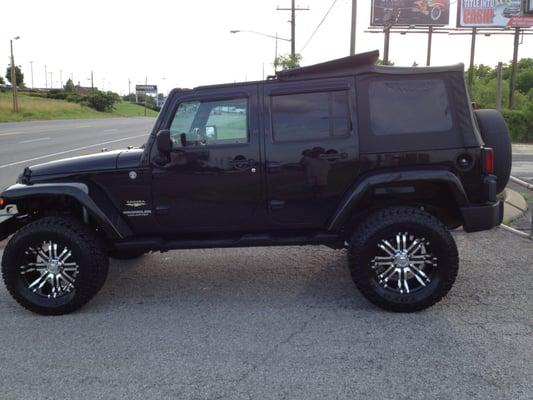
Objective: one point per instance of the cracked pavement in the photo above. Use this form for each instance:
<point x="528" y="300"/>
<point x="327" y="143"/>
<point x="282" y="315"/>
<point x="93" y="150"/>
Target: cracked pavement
<point x="278" y="323"/>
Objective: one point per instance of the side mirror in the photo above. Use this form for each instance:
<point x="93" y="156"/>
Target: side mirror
<point x="211" y="132"/>
<point x="163" y="141"/>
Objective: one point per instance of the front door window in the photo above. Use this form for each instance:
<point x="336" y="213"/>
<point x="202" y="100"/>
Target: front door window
<point x="206" y="123"/>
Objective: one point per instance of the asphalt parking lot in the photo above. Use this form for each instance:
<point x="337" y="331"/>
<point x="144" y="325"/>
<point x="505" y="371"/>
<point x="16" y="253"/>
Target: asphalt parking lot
<point x="264" y="323"/>
<point x="278" y="323"/>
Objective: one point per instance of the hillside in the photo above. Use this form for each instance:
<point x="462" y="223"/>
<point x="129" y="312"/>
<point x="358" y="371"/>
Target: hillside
<point x="36" y="108"/>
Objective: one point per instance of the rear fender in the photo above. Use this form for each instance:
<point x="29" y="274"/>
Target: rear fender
<point x="394" y="182"/>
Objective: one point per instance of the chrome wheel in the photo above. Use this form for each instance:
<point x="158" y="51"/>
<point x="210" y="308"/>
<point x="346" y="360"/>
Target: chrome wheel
<point x="404" y="263"/>
<point x="50" y="270"/>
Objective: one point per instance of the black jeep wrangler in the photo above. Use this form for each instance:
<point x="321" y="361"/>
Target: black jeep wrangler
<point x="382" y="161"/>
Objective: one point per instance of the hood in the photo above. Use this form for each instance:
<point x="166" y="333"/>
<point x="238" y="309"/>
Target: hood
<point x="90" y="163"/>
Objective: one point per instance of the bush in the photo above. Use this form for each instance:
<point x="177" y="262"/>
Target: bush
<point x="57" y="94"/>
<point x="100" y="101"/>
<point x="75" y="98"/>
<point x="520" y="125"/>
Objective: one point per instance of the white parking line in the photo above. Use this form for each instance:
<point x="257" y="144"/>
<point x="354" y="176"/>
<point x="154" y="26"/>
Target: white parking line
<point x="35" y="140"/>
<point x="70" y="151"/>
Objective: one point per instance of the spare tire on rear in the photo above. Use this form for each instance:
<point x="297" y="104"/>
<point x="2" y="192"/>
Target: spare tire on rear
<point x="495" y="134"/>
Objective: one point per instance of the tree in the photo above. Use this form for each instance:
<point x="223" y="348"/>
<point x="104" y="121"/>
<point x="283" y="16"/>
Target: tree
<point x="288" y="61"/>
<point x="382" y="62"/>
<point x="18" y="73"/>
<point x="2" y="82"/>
<point x="69" y="86"/>
<point x="101" y="101"/>
<point x="524" y="81"/>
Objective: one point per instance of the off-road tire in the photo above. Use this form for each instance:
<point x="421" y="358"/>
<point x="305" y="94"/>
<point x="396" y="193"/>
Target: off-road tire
<point x="381" y="224"/>
<point x="88" y="252"/>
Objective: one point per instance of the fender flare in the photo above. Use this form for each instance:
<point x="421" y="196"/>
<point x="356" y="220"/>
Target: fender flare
<point x="111" y="222"/>
<point x="367" y="183"/>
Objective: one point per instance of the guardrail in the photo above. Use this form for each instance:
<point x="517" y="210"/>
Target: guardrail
<point x="518" y="232"/>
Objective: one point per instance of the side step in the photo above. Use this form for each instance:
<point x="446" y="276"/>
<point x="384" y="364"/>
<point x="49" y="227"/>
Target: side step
<point x="247" y="240"/>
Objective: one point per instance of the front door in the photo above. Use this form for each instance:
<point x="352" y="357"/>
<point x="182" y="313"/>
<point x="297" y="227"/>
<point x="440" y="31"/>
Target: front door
<point x="212" y="179"/>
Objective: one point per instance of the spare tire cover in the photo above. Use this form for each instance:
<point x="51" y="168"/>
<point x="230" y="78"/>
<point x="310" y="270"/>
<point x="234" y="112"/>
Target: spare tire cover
<point x="495" y="134"/>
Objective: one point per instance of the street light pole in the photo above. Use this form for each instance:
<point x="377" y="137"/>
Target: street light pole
<point x="14" y="77"/>
<point x="45" y="78"/>
<point x="31" y="66"/>
<point x="276" y="37"/>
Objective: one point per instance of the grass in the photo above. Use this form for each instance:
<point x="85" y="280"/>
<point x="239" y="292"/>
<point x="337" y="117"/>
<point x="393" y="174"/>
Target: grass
<point x="36" y="108"/>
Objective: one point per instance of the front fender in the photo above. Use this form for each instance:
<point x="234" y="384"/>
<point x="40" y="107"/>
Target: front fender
<point x="105" y="215"/>
<point x="367" y="183"/>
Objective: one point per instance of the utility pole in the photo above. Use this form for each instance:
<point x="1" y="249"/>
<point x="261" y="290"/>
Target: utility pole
<point x="513" y="71"/>
<point x="51" y="80"/>
<point x="92" y="82"/>
<point x="31" y="66"/>
<point x="14" y="78"/>
<point x="61" y="77"/>
<point x="129" y="86"/>
<point x="293" y="10"/>
<point x="353" y="34"/>
<point x="45" y="78"/>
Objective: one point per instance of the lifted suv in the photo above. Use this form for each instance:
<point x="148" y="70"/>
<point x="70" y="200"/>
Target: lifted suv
<point x="382" y="161"/>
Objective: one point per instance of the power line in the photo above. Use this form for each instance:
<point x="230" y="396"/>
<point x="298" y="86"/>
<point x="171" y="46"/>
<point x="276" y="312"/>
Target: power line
<point x="319" y="25"/>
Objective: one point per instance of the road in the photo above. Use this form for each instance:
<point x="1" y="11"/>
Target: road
<point x="523" y="161"/>
<point x="278" y="323"/>
<point x="30" y="143"/>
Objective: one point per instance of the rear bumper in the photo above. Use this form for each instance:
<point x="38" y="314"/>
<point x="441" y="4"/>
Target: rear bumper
<point x="482" y="217"/>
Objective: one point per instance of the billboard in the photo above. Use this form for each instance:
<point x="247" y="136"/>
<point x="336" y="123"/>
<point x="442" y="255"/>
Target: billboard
<point x="491" y="14"/>
<point x="146" y="88"/>
<point x="410" y="12"/>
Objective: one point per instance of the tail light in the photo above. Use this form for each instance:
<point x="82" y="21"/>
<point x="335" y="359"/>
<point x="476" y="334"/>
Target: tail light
<point x="488" y="160"/>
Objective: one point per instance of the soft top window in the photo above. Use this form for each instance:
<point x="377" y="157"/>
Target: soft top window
<point x="408" y="112"/>
<point x="409" y="106"/>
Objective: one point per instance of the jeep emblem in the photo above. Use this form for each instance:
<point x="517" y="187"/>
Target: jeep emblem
<point x="133" y="175"/>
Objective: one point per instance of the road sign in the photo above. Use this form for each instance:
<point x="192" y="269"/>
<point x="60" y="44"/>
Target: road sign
<point x="146" y="88"/>
<point x="410" y="12"/>
<point x="492" y="14"/>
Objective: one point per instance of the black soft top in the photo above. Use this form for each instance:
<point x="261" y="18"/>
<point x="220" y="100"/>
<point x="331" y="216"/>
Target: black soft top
<point x="356" y="65"/>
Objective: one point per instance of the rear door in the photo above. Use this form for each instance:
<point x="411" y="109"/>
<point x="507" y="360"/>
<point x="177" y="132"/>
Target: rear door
<point x="311" y="149"/>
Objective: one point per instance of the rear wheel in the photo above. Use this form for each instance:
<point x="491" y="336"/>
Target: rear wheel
<point x="403" y="259"/>
<point x="54" y="265"/>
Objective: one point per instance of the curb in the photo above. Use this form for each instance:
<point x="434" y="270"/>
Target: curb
<point x="514" y="205"/>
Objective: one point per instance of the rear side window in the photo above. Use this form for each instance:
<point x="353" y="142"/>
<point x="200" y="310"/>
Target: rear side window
<point x="409" y="106"/>
<point x="309" y="116"/>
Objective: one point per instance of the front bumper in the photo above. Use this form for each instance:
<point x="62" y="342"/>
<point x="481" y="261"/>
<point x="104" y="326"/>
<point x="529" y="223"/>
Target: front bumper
<point x="482" y="217"/>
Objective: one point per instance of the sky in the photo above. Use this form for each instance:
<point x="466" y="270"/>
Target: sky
<point x="188" y="43"/>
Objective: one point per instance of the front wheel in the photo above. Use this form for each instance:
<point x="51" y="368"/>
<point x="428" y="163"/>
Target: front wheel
<point x="403" y="259"/>
<point x="54" y="265"/>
